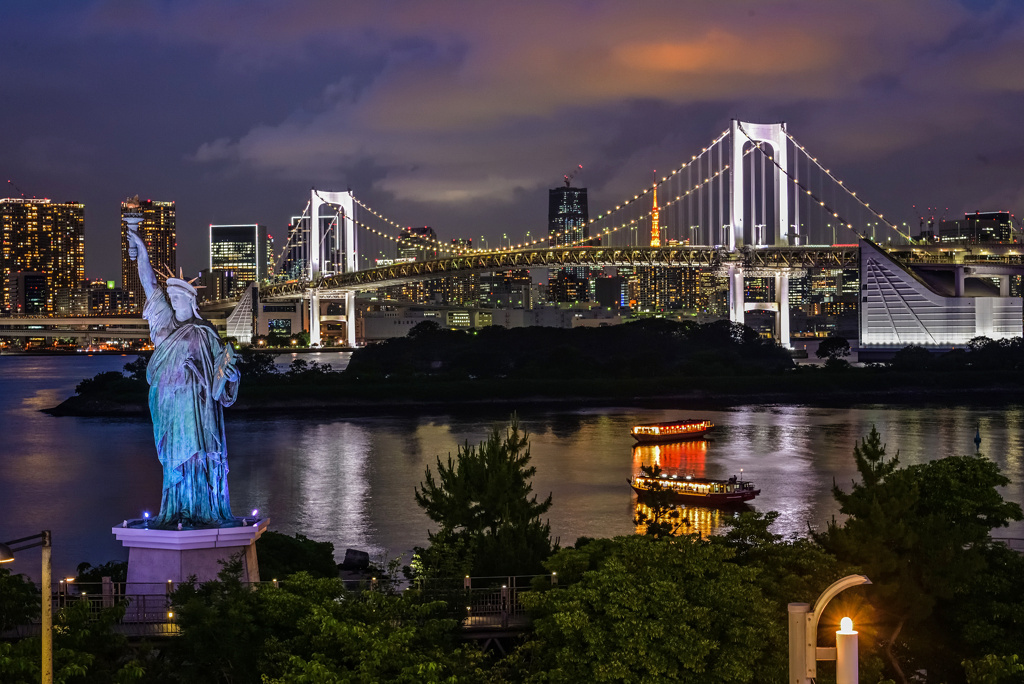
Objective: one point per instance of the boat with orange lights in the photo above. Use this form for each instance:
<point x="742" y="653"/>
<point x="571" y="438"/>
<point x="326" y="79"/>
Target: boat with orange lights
<point x="672" y="431"/>
<point x="701" y="491"/>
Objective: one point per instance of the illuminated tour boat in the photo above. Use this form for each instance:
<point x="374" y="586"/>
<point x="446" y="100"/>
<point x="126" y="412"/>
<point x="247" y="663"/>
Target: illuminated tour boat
<point x="673" y="431"/>
<point x="696" y="490"/>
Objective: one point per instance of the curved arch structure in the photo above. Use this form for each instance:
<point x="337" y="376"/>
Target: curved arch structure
<point x="774" y="135"/>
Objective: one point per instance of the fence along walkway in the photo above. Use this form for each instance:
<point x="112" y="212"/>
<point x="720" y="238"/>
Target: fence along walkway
<point x="488" y="607"/>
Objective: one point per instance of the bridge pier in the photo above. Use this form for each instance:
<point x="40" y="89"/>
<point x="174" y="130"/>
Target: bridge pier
<point x="314" y="317"/>
<point x="782" y="298"/>
<point x="736" y="294"/>
<point x="350" y="318"/>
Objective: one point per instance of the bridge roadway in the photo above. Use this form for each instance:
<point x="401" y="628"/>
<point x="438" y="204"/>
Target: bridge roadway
<point x="751" y="259"/>
<point x="838" y="256"/>
<point x="79" y="327"/>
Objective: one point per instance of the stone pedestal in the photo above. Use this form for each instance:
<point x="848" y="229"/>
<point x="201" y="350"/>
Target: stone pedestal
<point x="159" y="560"/>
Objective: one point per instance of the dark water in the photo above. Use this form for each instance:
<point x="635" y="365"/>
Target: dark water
<point x="350" y="480"/>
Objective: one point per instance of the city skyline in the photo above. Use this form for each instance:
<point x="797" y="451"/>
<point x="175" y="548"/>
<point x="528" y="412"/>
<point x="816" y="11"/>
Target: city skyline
<point x="464" y="118"/>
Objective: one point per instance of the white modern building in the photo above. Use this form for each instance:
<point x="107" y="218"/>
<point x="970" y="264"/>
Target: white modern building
<point x="899" y="307"/>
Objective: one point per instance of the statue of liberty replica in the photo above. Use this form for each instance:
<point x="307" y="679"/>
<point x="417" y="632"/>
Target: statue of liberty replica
<point x="192" y="376"/>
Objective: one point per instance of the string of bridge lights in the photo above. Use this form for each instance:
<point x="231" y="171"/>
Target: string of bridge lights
<point x="649" y="212"/>
<point x="835" y="214"/>
<point x="852" y="194"/>
<point x="635" y="221"/>
<point x="694" y="159"/>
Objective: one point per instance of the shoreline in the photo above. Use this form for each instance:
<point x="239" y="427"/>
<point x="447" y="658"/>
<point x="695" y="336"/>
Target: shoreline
<point x="77" y="406"/>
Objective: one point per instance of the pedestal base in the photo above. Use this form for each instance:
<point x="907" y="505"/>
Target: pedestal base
<point x="159" y="560"/>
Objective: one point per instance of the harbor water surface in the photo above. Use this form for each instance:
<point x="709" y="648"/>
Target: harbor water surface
<point x="350" y="479"/>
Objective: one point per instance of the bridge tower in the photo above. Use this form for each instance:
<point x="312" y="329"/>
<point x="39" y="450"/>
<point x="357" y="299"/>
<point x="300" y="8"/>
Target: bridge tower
<point x="773" y="136"/>
<point x="333" y="248"/>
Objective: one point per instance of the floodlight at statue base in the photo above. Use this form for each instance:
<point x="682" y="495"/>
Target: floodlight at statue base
<point x="158" y="558"/>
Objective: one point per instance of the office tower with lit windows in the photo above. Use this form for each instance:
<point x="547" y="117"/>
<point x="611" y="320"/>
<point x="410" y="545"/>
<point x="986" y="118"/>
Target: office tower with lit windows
<point x="568" y="217"/>
<point x="568" y="226"/>
<point x="417" y="244"/>
<point x="158" y="230"/>
<point x="243" y="250"/>
<point x="40" y="236"/>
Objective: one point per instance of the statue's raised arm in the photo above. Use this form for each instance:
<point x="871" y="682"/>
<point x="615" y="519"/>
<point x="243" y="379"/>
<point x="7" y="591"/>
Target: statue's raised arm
<point x="137" y="245"/>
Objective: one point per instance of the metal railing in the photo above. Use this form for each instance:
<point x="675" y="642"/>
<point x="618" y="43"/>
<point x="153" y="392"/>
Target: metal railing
<point x="477" y="602"/>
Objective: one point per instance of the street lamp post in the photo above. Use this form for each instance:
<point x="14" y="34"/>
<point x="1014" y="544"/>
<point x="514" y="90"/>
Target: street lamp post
<point x="7" y="550"/>
<point x="804" y="652"/>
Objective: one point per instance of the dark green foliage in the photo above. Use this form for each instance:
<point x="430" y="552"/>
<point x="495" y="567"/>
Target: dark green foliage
<point x="281" y="555"/>
<point x="483" y="502"/>
<point x="912" y="358"/>
<point x="117" y="571"/>
<point x="136" y="369"/>
<point x="305" y="371"/>
<point x="101" y="382"/>
<point x="86" y="650"/>
<point x="19" y="600"/>
<point x="648" y="348"/>
<point x="639" y="609"/>
<point x="833" y="347"/>
<point x="255" y="363"/>
<point x="313" y="630"/>
<point x="922" y="535"/>
<point x="993" y="670"/>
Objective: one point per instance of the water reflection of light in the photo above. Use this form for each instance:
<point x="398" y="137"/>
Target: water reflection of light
<point x="675" y="458"/>
<point x="694" y="519"/>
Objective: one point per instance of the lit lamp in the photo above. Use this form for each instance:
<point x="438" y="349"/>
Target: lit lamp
<point x="847" y="671"/>
<point x="7" y="550"/>
<point x="804" y="652"/>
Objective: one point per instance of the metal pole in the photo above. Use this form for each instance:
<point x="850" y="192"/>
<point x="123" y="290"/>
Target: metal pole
<point x="47" y="627"/>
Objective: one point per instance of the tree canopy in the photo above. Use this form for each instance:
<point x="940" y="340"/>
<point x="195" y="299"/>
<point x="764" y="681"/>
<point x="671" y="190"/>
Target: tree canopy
<point x="487" y="513"/>
<point x="922" y="534"/>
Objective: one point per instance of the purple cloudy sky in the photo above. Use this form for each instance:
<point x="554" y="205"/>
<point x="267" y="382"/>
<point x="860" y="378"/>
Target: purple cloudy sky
<point x="460" y="115"/>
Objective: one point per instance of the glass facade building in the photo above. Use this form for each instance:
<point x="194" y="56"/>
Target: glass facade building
<point x="40" y="236"/>
<point x="243" y="250"/>
<point x="158" y="229"/>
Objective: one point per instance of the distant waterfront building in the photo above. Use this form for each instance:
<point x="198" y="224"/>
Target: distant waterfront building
<point x="28" y="292"/>
<point x="244" y="250"/>
<point x="40" y="236"/>
<point x="978" y="228"/>
<point x="95" y="297"/>
<point x="506" y="290"/>
<point x="417" y="244"/>
<point x="159" y="230"/>
<point x="898" y="308"/>
<point x="568" y="226"/>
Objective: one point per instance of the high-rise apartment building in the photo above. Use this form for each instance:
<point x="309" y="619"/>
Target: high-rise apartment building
<point x="158" y="229"/>
<point x="37" y="235"/>
<point x="243" y="250"/>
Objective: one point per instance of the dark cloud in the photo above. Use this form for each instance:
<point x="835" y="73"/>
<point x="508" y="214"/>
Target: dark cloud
<point x="460" y="114"/>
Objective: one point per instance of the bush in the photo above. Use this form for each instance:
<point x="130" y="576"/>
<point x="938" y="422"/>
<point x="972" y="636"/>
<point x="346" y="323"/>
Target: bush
<point x="101" y="382"/>
<point x="281" y="555"/>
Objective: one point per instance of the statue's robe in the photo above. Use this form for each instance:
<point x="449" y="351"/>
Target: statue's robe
<point x="191" y="376"/>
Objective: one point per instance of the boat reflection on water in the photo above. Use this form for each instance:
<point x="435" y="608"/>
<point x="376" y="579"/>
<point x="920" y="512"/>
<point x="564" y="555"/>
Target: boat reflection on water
<point x="675" y="458"/>
<point x="693" y="519"/>
<point x="683" y="458"/>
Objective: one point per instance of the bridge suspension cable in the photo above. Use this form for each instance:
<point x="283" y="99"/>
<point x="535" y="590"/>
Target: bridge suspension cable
<point x="830" y="207"/>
